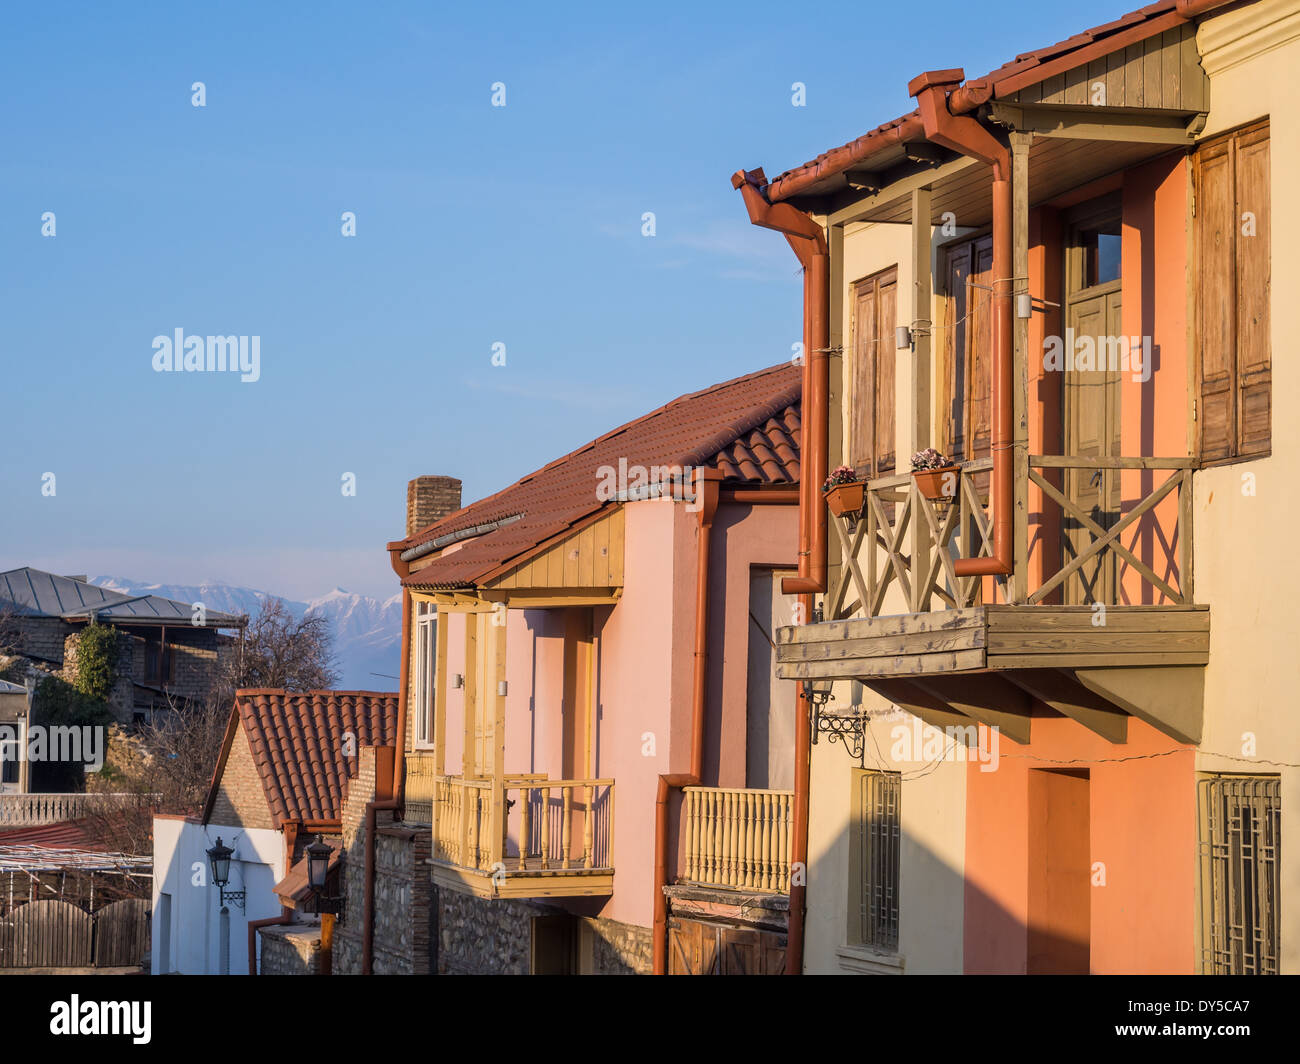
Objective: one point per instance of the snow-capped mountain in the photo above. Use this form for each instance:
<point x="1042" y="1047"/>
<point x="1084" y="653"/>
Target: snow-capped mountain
<point x="367" y="631"/>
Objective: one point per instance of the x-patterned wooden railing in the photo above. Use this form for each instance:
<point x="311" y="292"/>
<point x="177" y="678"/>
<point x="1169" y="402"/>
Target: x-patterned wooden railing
<point x="914" y="548"/>
<point x="1109" y="541"/>
<point x="879" y="553"/>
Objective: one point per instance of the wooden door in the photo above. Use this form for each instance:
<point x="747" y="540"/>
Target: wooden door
<point x="1094" y="348"/>
<point x="1092" y="429"/>
<point x="872" y="440"/>
<point x="579" y="670"/>
<point x="692" y="948"/>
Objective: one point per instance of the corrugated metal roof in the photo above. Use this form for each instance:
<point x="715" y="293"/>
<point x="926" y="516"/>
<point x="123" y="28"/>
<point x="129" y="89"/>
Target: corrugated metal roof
<point x="36" y="593"/>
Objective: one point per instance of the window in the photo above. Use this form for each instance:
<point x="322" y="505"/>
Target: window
<point x="1231" y="205"/>
<point x="159" y="660"/>
<point x="10" y="753"/>
<point x="966" y="279"/>
<point x="426" y="658"/>
<point x="873" y="450"/>
<point x="874" y="852"/>
<point x="1240" y="833"/>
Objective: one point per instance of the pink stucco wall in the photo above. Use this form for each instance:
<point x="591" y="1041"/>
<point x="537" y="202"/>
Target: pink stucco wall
<point x="645" y="652"/>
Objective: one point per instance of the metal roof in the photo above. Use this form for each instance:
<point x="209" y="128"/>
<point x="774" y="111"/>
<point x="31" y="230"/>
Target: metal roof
<point x="36" y="593"/>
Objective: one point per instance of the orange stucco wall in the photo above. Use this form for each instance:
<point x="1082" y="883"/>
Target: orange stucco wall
<point x="1141" y="813"/>
<point x="1142" y="838"/>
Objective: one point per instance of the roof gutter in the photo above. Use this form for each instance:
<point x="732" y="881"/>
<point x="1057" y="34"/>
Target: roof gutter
<point x="963" y="134"/>
<point x="808" y="242"/>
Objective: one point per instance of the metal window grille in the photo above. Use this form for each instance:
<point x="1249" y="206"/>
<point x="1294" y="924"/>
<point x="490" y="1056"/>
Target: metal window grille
<point x="1240" y="844"/>
<point x="879" y="799"/>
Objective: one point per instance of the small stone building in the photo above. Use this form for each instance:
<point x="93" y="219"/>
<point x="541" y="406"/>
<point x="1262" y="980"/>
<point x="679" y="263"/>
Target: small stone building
<point x="168" y="652"/>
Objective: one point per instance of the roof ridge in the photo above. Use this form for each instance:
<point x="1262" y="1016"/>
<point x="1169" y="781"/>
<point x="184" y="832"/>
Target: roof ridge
<point x="423" y="535"/>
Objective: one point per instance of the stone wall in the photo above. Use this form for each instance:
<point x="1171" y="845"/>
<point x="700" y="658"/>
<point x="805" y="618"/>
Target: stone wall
<point x="403" y="890"/>
<point x="42" y="637"/>
<point x="493" y="936"/>
<point x="121" y="699"/>
<point x="291" y="950"/>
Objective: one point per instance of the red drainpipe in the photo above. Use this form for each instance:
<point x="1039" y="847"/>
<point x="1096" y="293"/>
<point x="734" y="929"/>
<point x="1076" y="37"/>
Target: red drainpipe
<point x="398" y="785"/>
<point x="808" y="242"/>
<point x="285" y="917"/>
<point x="963" y="134"/>
<point x="707" y="484"/>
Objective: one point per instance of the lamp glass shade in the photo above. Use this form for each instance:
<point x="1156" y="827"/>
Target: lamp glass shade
<point x="219" y="858"/>
<point x="318" y="863"/>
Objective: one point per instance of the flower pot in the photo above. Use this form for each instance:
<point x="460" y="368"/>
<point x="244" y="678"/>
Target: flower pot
<point x="930" y="482"/>
<point x="845" y="500"/>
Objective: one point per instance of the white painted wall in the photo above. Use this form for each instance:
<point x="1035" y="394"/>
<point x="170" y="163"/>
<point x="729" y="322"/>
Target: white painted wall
<point x="181" y="870"/>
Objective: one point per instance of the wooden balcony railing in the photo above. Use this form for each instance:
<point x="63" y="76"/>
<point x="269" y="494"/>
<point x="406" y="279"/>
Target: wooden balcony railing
<point x="538" y="826"/>
<point x="904" y="542"/>
<point x="739" y="839"/>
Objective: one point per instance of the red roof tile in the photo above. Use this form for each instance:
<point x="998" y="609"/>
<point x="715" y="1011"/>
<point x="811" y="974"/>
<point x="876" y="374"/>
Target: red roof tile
<point x="300" y="746"/>
<point x="747" y="428"/>
<point x="67" y="835"/>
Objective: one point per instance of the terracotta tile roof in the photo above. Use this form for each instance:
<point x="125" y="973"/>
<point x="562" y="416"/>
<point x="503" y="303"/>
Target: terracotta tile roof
<point x="748" y="428"/>
<point x="1100" y="40"/>
<point x="298" y="745"/>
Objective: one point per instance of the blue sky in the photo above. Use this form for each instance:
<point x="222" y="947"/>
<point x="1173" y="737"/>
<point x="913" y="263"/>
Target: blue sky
<point x="475" y="225"/>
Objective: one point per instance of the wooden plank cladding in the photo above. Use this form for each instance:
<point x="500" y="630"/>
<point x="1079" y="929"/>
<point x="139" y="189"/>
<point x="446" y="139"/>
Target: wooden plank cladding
<point x="995" y="637"/>
<point x="905" y="645"/>
<point x="1092" y="637"/>
<point x="1162" y="72"/>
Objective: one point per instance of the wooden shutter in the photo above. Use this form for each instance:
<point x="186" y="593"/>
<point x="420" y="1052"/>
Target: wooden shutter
<point x="1233" y="275"/>
<point x="872" y="446"/>
<point x="885" y="446"/>
<point x="979" y="360"/>
<point x="1216" y="251"/>
<point x="1254" y="361"/>
<point x="864" y="346"/>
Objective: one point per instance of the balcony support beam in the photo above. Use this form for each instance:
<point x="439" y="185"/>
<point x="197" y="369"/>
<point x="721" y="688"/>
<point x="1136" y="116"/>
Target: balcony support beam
<point x="1171" y="698"/>
<point x="1059" y="690"/>
<point x="976" y="694"/>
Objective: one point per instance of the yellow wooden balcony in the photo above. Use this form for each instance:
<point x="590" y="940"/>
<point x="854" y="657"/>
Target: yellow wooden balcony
<point x="737" y="839"/>
<point x="530" y="837"/>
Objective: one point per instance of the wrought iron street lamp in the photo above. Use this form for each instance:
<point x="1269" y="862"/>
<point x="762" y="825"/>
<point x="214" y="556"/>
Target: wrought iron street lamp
<point x="219" y="860"/>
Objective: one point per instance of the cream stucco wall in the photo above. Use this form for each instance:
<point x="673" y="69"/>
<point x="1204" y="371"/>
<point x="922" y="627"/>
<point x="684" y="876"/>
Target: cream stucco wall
<point x="1246" y="513"/>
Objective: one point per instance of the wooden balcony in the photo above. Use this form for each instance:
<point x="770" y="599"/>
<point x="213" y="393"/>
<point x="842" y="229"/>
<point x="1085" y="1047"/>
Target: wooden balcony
<point x="737" y="839"/>
<point x="1097" y="621"/>
<point x="531" y="837"/>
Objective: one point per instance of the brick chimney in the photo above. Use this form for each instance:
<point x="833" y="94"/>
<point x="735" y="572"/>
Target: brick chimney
<point x="429" y="499"/>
